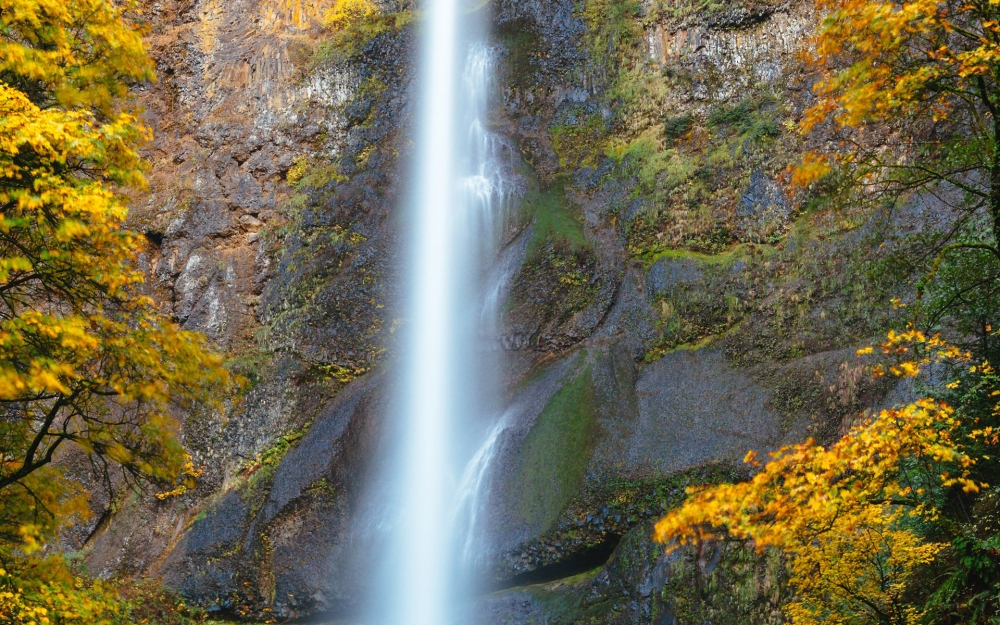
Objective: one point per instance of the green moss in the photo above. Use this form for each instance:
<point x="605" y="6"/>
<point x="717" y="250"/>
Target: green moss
<point x="676" y="127"/>
<point x="727" y="258"/>
<point x="665" y="348"/>
<point x="578" y="145"/>
<point x="696" y="313"/>
<point x="251" y="365"/>
<point x="261" y="469"/>
<point x="746" y="588"/>
<point x="521" y="43"/>
<point x="329" y="372"/>
<point x="750" y="118"/>
<point x="660" y="170"/>
<point x="694" y="184"/>
<point x="556" y="451"/>
<point x="613" y="29"/>
<point x="560" y="600"/>
<point x="691" y="12"/>
<point x="313" y="174"/>
<point x="555" y="219"/>
<point x="322" y="488"/>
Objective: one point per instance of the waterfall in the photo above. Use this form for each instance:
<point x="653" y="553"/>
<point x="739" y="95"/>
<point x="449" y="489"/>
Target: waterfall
<point x="460" y="205"/>
<point x="421" y="591"/>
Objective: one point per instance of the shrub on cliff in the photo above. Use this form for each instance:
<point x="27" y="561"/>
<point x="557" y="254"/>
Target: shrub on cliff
<point x="915" y="87"/>
<point x="353" y="23"/>
<point x="852" y="519"/>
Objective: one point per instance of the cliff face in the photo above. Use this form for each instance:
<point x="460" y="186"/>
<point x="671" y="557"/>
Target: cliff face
<point x="671" y="306"/>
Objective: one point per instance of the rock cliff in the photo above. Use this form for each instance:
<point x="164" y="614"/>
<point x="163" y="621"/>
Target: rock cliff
<point x="672" y="304"/>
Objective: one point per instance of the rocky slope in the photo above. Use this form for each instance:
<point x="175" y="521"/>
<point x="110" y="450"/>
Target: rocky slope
<point x="673" y="304"/>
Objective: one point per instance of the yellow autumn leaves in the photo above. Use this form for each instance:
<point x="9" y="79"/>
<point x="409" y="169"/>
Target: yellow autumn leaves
<point x="85" y="358"/>
<point x="840" y="514"/>
<point x="882" y="61"/>
<point x="76" y="53"/>
<point x="60" y="600"/>
<point x="343" y="13"/>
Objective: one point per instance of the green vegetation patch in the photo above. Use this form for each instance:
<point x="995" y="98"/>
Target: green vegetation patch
<point x="752" y="118"/>
<point x="556" y="219"/>
<point x="731" y="584"/>
<point x="521" y="42"/>
<point x="252" y="365"/>
<point x="561" y="600"/>
<point x="350" y="35"/>
<point x="556" y="452"/>
<point x="711" y="298"/>
<point x="676" y="127"/>
<point x="613" y="29"/>
<point x="719" y="13"/>
<point x="694" y="173"/>
<point x="261" y="469"/>
<point x="579" y="144"/>
<point x="308" y="173"/>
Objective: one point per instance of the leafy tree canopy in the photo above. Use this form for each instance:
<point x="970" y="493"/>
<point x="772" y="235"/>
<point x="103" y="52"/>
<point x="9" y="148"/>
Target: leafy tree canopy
<point x="893" y="523"/>
<point x="85" y="357"/>
<point x="920" y="78"/>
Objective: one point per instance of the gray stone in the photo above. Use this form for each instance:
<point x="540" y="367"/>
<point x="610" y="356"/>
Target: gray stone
<point x="763" y="213"/>
<point x="669" y="272"/>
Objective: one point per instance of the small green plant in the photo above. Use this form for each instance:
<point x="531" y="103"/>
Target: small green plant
<point x="578" y="145"/>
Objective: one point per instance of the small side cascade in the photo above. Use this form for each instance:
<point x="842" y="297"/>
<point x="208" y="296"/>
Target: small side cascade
<point x="491" y="184"/>
<point x="491" y="189"/>
<point x="472" y="491"/>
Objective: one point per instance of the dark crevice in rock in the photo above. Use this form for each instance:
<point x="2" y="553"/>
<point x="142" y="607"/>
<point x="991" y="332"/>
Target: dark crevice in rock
<point x="156" y="238"/>
<point x="578" y="563"/>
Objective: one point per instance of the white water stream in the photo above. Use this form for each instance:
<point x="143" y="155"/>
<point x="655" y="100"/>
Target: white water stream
<point x="462" y="193"/>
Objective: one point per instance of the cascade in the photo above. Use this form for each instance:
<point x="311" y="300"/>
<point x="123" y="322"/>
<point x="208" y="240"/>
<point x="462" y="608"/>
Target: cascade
<point x="462" y="193"/>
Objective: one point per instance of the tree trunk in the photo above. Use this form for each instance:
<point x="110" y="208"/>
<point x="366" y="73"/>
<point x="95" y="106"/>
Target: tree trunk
<point x="995" y="200"/>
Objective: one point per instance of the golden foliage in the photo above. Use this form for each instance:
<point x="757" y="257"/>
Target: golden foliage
<point x="926" y="61"/>
<point x="52" y="595"/>
<point x="812" y="168"/>
<point x="842" y="514"/>
<point x="85" y="358"/>
<point x="354" y="23"/>
<point x="344" y="13"/>
<point x="74" y="53"/>
<point x="902" y="53"/>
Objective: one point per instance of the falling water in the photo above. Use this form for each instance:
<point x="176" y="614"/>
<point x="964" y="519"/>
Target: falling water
<point x="462" y="192"/>
<point x="471" y="490"/>
<point x="421" y="591"/>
